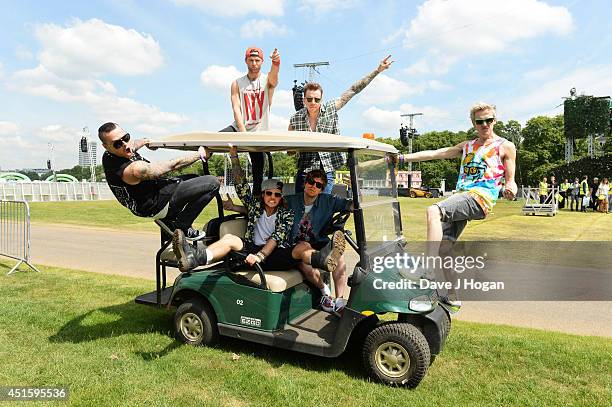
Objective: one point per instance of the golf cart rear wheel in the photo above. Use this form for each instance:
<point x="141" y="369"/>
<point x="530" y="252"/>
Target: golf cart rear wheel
<point x="428" y="195"/>
<point x="412" y="194"/>
<point x="195" y="323"/>
<point x="396" y="354"/>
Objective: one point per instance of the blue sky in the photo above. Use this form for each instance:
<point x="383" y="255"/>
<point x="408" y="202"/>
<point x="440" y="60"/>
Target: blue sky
<point x="165" y="66"/>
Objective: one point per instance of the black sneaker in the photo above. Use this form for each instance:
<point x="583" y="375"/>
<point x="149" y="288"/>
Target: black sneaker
<point x="194" y="234"/>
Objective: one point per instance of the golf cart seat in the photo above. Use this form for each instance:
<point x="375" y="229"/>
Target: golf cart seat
<point x="278" y="281"/>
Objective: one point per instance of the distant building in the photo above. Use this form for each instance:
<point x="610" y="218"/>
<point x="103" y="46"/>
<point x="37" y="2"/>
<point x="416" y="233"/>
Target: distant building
<point x="92" y="153"/>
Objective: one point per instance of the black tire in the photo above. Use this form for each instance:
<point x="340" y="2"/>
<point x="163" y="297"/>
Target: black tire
<point x="412" y="194"/>
<point x="396" y="354"/>
<point x="195" y="323"/>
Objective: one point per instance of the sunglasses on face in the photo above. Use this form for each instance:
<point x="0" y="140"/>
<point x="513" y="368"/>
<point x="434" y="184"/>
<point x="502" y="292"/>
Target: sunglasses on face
<point x="117" y="144"/>
<point x="488" y="120"/>
<point x="313" y="99"/>
<point x="317" y="184"/>
<point x="276" y="194"/>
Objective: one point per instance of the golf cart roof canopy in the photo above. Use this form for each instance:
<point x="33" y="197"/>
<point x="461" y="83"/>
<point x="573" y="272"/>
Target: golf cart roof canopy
<point x="264" y="141"/>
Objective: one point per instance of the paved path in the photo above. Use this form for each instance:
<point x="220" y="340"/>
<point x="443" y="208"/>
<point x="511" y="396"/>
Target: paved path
<point x="133" y="254"/>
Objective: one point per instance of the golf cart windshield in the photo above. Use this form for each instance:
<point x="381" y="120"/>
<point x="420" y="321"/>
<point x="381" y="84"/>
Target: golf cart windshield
<point x="378" y="198"/>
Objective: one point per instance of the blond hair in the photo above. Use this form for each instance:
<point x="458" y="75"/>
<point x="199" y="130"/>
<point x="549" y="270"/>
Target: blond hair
<point x="477" y="107"/>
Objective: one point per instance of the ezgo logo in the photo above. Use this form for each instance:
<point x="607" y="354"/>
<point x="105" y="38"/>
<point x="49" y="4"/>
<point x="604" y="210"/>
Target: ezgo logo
<point x="250" y="321"/>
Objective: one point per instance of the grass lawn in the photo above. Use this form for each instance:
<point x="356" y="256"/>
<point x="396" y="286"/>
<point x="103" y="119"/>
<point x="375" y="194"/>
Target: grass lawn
<point x="505" y="223"/>
<point x="83" y="331"/>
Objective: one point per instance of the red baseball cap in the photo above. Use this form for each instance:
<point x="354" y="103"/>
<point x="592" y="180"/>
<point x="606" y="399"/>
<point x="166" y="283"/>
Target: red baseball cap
<point x="254" y="52"/>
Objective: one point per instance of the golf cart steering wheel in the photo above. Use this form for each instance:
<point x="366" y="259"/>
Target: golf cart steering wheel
<point x="235" y="260"/>
<point x="336" y="222"/>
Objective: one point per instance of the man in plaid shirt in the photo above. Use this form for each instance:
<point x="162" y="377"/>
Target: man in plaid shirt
<point x="323" y="118"/>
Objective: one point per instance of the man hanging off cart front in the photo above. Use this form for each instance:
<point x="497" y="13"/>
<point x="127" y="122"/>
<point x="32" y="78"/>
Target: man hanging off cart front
<point x="485" y="161"/>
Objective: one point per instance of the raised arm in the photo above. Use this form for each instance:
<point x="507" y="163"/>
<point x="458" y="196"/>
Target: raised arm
<point x="509" y="159"/>
<point x="362" y="83"/>
<point x="236" y="108"/>
<point x="273" y="74"/>
<point x="441" y="153"/>
<point x="142" y="171"/>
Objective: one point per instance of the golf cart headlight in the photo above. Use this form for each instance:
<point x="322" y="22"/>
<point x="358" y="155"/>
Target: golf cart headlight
<point x="421" y="304"/>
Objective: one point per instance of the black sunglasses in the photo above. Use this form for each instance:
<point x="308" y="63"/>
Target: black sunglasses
<point x="313" y="99"/>
<point x="480" y="122"/>
<point x="276" y="194"/>
<point x="117" y="144"/>
<point x="317" y="184"/>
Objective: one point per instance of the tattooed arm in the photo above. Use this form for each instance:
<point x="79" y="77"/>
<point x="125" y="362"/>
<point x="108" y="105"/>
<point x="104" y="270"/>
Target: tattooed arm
<point x="142" y="171"/>
<point x="362" y="83"/>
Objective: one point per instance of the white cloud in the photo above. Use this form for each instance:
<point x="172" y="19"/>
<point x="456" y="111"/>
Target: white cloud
<point x="93" y="47"/>
<point x="441" y="66"/>
<point x="385" y="123"/>
<point x="437" y="85"/>
<point x="592" y="80"/>
<point x="21" y="52"/>
<point x="59" y="134"/>
<point x="453" y="29"/>
<point x="151" y="130"/>
<point x="236" y="8"/>
<point x="384" y="89"/>
<point x="74" y="58"/>
<point x="262" y="28"/>
<point x="325" y="6"/>
<point x="8" y="128"/>
<point x="99" y="95"/>
<point x="282" y="99"/>
<point x="278" y="123"/>
<point x="539" y="74"/>
<point x="220" y="78"/>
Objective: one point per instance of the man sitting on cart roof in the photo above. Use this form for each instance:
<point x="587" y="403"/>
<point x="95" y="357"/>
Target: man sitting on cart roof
<point x="322" y="117"/>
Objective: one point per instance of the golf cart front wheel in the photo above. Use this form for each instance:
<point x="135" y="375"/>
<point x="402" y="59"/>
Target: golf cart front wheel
<point x="396" y="354"/>
<point x="195" y="323"/>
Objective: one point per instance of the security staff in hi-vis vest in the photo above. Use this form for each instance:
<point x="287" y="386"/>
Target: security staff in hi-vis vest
<point x="543" y="190"/>
<point x="584" y="194"/>
<point x="565" y="186"/>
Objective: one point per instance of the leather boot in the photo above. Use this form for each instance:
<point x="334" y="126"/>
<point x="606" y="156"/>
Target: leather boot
<point x="327" y="258"/>
<point x="188" y="256"/>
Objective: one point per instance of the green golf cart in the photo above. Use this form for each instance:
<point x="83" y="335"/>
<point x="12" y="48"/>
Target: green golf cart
<point x="279" y="308"/>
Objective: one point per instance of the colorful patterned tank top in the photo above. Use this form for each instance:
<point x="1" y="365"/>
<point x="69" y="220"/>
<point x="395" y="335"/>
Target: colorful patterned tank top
<point x="481" y="171"/>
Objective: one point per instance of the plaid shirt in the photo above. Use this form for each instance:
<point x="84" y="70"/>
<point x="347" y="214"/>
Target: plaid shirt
<point x="327" y="122"/>
<point x="254" y="206"/>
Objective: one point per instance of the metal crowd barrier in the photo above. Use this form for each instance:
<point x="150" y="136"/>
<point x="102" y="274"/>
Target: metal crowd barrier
<point x="15" y="232"/>
<point x="533" y="205"/>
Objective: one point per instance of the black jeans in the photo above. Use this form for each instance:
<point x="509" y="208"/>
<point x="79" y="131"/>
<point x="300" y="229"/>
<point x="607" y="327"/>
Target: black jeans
<point x="257" y="164"/>
<point x="192" y="194"/>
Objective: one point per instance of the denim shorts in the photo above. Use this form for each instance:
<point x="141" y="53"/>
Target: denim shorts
<point x="456" y="211"/>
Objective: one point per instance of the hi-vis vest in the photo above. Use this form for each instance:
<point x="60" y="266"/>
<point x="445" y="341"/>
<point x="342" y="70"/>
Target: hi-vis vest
<point x="565" y="186"/>
<point x="543" y="188"/>
<point x="584" y="187"/>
